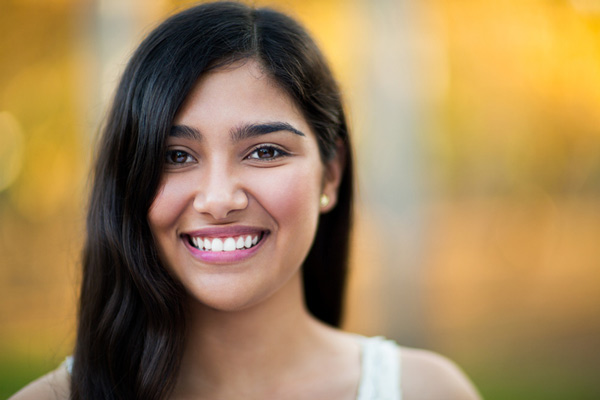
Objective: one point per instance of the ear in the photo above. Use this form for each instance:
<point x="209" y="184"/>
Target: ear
<point x="332" y="176"/>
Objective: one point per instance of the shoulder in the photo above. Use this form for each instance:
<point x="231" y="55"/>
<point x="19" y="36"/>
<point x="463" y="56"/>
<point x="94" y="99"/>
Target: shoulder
<point x="427" y="375"/>
<point x="52" y="386"/>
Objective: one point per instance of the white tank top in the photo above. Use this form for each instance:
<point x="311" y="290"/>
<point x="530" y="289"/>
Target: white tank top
<point x="380" y="369"/>
<point x="380" y="374"/>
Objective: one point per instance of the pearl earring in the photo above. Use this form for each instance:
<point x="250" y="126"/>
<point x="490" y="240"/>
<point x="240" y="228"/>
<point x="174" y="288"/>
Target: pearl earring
<point x="324" y="200"/>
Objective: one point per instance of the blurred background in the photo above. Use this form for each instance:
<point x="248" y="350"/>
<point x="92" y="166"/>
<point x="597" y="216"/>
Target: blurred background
<point x="477" y="132"/>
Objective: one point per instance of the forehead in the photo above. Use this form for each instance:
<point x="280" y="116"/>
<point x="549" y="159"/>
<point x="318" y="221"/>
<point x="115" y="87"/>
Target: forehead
<point x="240" y="92"/>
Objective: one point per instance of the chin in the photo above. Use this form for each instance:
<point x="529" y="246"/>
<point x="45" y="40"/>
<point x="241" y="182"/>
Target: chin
<point x="226" y="300"/>
<point x="233" y="295"/>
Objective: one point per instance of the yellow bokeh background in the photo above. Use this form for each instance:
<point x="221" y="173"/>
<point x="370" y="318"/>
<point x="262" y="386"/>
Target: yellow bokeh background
<point x="477" y="134"/>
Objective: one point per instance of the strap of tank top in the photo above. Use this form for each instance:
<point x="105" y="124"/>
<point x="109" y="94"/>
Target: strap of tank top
<point x="68" y="363"/>
<point x="380" y="376"/>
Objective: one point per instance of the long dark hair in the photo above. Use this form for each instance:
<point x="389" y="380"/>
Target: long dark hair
<point x="131" y="324"/>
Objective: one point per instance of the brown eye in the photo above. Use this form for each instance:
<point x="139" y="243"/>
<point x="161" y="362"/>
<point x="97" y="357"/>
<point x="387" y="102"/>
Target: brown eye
<point x="266" y="153"/>
<point x="177" y="157"/>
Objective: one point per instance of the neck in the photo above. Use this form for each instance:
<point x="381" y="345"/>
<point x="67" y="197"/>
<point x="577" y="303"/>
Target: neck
<point x="247" y="346"/>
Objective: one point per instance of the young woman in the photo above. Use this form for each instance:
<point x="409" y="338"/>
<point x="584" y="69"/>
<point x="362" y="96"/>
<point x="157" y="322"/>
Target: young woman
<point x="218" y="227"/>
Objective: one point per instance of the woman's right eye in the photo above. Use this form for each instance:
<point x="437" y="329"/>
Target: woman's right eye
<point x="178" y="157"/>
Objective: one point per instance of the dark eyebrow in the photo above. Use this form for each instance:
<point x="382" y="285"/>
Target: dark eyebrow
<point x="252" y="130"/>
<point x="186" y="132"/>
<point x="240" y="133"/>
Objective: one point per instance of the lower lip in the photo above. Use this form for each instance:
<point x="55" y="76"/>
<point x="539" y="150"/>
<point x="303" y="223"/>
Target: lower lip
<point x="224" y="257"/>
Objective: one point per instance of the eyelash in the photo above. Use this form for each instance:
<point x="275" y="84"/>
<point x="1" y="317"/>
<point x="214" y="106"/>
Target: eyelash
<point x="277" y="153"/>
<point x="182" y="153"/>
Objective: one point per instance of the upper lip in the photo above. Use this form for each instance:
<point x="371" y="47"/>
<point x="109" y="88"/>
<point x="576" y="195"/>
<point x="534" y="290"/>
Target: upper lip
<point x="225" y="231"/>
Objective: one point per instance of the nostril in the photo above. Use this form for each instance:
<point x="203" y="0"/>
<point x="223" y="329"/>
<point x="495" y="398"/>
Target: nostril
<point x="219" y="204"/>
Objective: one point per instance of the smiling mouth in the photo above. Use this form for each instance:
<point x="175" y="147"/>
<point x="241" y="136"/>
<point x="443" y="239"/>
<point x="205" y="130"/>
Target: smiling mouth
<point x="225" y="244"/>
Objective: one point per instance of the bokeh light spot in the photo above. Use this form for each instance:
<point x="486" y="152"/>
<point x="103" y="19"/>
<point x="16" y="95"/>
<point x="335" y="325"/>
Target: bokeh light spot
<point x="11" y="149"/>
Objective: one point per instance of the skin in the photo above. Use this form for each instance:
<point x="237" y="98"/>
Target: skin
<point x="247" y="319"/>
<point x="218" y="184"/>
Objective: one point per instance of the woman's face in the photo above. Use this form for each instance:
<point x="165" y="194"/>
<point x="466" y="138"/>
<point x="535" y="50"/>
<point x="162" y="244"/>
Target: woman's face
<point x="238" y="204"/>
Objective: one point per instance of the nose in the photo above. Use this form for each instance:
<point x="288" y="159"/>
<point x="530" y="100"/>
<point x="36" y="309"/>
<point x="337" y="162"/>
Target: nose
<point x="219" y="194"/>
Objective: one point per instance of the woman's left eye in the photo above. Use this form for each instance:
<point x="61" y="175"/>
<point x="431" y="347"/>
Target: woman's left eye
<point x="266" y="153"/>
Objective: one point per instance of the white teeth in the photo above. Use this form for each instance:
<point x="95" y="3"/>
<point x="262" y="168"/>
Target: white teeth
<point x="217" y="245"/>
<point x="225" y="244"/>
<point x="240" y="243"/>
<point x="229" y="244"/>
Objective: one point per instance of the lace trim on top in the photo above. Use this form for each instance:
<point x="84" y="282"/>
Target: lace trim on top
<point x="380" y="375"/>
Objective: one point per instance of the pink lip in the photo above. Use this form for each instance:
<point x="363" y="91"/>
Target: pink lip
<point x="225" y="231"/>
<point x="224" y="257"/>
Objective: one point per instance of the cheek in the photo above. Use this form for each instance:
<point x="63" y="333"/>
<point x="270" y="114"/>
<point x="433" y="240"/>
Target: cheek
<point x="291" y="194"/>
<point x="168" y="205"/>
